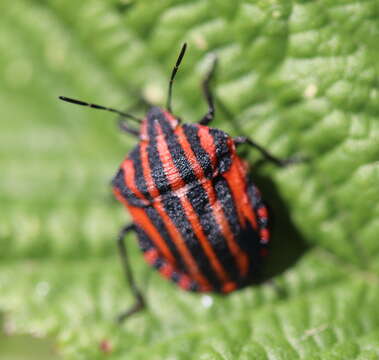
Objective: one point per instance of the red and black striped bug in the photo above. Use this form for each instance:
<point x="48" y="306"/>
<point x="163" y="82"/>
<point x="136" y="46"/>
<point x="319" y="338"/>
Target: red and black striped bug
<point x="199" y="219"/>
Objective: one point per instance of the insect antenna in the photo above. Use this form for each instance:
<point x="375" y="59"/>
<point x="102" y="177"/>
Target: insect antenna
<point x="100" y="107"/>
<point x="174" y="71"/>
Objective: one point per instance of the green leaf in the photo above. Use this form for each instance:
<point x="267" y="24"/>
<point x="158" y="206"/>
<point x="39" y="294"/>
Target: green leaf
<point x="299" y="77"/>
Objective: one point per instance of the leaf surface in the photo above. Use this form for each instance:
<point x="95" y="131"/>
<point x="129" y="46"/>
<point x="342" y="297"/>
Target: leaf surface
<point x="299" y="77"/>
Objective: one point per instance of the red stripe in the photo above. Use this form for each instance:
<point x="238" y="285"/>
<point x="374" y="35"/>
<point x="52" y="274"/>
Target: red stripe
<point x="143" y="131"/>
<point x="207" y="143"/>
<point x="262" y="212"/>
<point x="265" y="236"/>
<point x="143" y="221"/>
<point x="185" y="282"/>
<point x="229" y="287"/>
<point x="166" y="270"/>
<point x="236" y="178"/>
<point x="150" y="184"/>
<point x="170" y="170"/>
<point x="129" y="178"/>
<point x="173" y="121"/>
<point x="151" y="256"/>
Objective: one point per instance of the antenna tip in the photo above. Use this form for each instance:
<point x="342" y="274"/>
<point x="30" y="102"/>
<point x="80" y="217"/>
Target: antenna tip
<point x="64" y="98"/>
<point x="74" y="101"/>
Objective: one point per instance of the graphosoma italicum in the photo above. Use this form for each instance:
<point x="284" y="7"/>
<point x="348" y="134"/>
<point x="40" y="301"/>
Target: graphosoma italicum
<point x="199" y="220"/>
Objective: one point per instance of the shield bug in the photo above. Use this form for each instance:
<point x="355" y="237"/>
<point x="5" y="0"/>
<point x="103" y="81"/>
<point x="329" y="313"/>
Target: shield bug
<point x="199" y="219"/>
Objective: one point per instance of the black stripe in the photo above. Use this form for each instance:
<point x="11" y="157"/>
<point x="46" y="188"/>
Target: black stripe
<point x="177" y="215"/>
<point x="224" y="160"/>
<point x="162" y="230"/>
<point x="159" y="262"/>
<point x="119" y="182"/>
<point x="194" y="286"/>
<point x="191" y="132"/>
<point x="250" y="241"/>
<point x="155" y="163"/>
<point x="145" y="244"/>
<point x="254" y="195"/>
<point x="200" y="202"/>
<point x="176" y="277"/>
<point x="178" y="155"/>
<point x="139" y="179"/>
<point x="225" y="197"/>
<point x="247" y="239"/>
<point x="257" y="202"/>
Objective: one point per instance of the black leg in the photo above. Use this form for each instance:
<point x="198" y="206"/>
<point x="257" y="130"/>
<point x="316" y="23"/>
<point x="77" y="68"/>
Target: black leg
<point x="139" y="299"/>
<point x="123" y="125"/>
<point x="208" y="117"/>
<point x="277" y="161"/>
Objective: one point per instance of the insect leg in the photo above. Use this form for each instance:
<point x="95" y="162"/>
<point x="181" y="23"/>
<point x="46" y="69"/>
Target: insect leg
<point x="124" y="126"/>
<point x="139" y="299"/>
<point x="267" y="155"/>
<point x="208" y="117"/>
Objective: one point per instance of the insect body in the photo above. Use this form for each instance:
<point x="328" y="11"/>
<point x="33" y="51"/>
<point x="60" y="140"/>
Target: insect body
<point x="199" y="219"/>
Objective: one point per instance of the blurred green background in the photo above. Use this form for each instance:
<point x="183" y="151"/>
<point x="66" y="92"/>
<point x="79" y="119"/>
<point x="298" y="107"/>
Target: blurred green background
<point x="300" y="77"/>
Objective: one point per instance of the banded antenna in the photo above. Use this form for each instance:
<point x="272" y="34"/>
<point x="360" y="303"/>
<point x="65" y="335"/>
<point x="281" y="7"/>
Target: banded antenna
<point x="174" y="71"/>
<point x="100" y="107"/>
